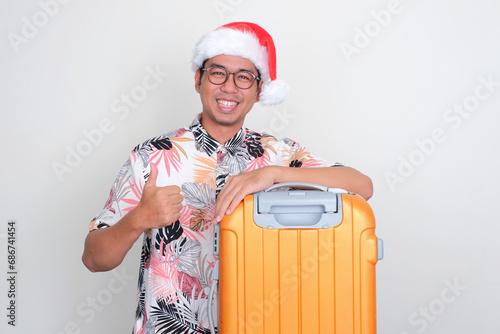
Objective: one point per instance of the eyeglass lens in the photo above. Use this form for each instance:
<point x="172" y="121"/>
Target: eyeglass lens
<point x="242" y="79"/>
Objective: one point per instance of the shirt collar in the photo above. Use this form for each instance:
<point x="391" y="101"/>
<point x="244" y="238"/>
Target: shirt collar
<point x="208" y="144"/>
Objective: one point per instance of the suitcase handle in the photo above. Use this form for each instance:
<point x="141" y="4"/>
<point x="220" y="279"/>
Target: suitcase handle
<point x="215" y="279"/>
<point x="304" y="186"/>
<point x="213" y="287"/>
<point x="313" y="206"/>
<point x="297" y="185"/>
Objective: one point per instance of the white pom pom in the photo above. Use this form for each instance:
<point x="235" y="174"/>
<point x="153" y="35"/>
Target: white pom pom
<point x="273" y="92"/>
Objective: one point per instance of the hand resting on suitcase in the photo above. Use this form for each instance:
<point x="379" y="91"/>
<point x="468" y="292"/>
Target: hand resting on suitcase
<point x="238" y="186"/>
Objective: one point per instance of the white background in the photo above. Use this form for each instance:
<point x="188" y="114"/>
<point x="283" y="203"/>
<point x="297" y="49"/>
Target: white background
<point x="374" y="84"/>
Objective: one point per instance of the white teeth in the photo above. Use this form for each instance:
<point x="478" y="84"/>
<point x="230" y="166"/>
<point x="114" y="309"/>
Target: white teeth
<point x="226" y="104"/>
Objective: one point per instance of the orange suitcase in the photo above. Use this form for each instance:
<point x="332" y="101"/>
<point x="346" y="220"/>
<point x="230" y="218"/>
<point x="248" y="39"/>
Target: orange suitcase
<point x="297" y="261"/>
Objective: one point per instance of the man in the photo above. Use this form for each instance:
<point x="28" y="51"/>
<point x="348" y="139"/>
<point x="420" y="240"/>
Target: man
<point x="175" y="187"/>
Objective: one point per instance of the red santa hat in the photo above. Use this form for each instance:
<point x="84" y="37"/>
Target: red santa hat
<point x="250" y="41"/>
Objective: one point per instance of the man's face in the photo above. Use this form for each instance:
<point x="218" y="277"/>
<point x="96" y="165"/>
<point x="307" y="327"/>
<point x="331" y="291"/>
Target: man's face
<point x="226" y="105"/>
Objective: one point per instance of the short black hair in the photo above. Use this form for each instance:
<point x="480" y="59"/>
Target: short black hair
<point x="201" y="68"/>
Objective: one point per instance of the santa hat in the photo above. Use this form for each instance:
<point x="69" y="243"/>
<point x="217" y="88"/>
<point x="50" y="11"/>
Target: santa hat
<point x="250" y="41"/>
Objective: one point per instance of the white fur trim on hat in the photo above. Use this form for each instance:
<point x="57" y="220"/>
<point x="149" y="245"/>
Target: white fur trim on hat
<point x="226" y="41"/>
<point x="273" y="92"/>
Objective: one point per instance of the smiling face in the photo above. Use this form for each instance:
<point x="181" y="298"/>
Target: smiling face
<point x="225" y="106"/>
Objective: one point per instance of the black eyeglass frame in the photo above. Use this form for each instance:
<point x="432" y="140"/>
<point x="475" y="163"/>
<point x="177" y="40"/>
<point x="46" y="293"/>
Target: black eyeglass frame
<point x="207" y="69"/>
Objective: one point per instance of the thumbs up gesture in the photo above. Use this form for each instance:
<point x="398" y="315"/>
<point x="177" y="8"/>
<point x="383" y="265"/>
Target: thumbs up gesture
<point x="159" y="206"/>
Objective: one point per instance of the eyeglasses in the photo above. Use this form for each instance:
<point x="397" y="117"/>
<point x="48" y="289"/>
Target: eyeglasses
<point x="218" y="75"/>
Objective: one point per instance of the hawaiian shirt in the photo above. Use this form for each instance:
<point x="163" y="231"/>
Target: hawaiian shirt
<point x="177" y="260"/>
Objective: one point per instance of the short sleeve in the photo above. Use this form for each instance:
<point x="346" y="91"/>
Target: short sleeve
<point x="295" y="155"/>
<point x="125" y="193"/>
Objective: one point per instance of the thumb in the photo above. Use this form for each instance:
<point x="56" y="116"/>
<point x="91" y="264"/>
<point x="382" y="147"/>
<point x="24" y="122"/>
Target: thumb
<point x="153" y="175"/>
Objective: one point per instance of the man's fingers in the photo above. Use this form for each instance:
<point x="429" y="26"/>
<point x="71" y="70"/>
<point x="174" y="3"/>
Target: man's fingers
<point x="176" y="198"/>
<point x="162" y="205"/>
<point x="219" y="211"/>
<point x="218" y="215"/>
<point x="234" y="203"/>
<point x="153" y="175"/>
<point x="222" y="203"/>
<point x="228" y="200"/>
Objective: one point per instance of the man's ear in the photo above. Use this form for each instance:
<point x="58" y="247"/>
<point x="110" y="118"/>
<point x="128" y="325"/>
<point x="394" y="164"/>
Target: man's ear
<point x="259" y="89"/>
<point x="197" y="82"/>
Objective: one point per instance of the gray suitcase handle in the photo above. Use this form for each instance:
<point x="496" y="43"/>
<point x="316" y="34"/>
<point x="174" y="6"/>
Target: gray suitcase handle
<point x="213" y="287"/>
<point x="297" y="185"/>
<point x="307" y="206"/>
<point x="305" y="186"/>
<point x="215" y="280"/>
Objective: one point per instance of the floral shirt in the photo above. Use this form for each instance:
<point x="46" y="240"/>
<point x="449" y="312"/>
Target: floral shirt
<point x="177" y="260"/>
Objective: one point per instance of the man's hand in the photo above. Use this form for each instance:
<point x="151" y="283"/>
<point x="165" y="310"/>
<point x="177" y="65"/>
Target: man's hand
<point x="238" y="186"/>
<point x="106" y="248"/>
<point x="159" y="206"/>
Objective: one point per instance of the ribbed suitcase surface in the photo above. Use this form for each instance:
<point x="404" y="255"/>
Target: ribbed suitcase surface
<point x="289" y="277"/>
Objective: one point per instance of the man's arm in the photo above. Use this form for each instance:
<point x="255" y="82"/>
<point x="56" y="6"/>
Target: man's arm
<point x="238" y="186"/>
<point x="106" y="248"/>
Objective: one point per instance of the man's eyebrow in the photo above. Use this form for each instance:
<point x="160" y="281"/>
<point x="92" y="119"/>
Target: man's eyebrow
<point x="221" y="66"/>
<point x="215" y="65"/>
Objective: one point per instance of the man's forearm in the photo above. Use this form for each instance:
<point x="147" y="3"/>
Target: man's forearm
<point x="106" y="248"/>
<point x="332" y="177"/>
